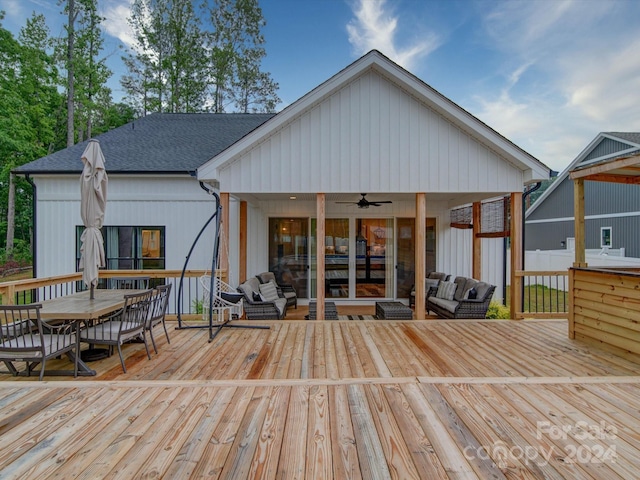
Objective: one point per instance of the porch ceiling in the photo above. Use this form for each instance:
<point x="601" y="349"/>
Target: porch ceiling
<point x="452" y="199"/>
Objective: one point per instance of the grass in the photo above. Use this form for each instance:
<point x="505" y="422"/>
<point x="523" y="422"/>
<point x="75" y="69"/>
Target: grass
<point x="541" y="299"/>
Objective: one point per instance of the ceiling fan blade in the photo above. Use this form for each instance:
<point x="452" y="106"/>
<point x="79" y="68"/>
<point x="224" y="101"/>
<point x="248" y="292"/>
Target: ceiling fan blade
<point x="352" y="203"/>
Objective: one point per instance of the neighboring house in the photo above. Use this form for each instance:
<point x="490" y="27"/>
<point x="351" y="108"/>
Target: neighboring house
<point x="372" y="128"/>
<point x="612" y="210"/>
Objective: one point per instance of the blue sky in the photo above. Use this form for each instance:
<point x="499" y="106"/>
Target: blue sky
<point x="547" y="74"/>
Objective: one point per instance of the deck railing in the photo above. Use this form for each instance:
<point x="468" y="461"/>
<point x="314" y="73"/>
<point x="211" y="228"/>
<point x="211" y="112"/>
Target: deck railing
<point x="40" y="289"/>
<point x="545" y="294"/>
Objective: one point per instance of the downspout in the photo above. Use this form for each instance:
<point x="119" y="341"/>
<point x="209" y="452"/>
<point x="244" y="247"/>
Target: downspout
<point x="34" y="212"/>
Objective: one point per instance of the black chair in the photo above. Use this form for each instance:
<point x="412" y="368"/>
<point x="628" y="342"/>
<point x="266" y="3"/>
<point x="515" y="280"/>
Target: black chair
<point x="128" y="283"/>
<point x="157" y="311"/>
<point x="25" y="337"/>
<point x="125" y="325"/>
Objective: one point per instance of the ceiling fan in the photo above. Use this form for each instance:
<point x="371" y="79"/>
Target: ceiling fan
<point x="364" y="203"/>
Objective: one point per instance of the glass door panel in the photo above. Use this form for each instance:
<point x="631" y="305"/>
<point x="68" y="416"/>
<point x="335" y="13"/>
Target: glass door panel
<point x="374" y="264"/>
<point x="288" y="252"/>
<point x="405" y="278"/>
<point x="336" y="258"/>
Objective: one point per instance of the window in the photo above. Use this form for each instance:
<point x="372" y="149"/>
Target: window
<point x="130" y="248"/>
<point x="605" y="237"/>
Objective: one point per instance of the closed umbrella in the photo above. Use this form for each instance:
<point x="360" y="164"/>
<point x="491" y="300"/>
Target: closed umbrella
<point x="93" y="196"/>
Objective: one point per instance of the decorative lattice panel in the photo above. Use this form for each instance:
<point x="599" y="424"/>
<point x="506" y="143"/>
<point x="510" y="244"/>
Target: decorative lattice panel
<point x="462" y="217"/>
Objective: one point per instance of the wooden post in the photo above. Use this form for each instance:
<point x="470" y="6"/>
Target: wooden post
<point x="420" y="260"/>
<point x="320" y="233"/>
<point x="224" y="237"/>
<point x="516" y="254"/>
<point x="477" y="241"/>
<point x="578" y="212"/>
<point x="242" y="276"/>
<point x="572" y="319"/>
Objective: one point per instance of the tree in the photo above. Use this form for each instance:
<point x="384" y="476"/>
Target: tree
<point x="166" y="72"/>
<point x="237" y="48"/>
<point x="28" y="95"/>
<point x="86" y="72"/>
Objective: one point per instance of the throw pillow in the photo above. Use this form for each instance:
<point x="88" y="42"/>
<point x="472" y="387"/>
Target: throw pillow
<point x="446" y="290"/>
<point x="269" y="292"/>
<point x="257" y="297"/>
<point x="430" y="282"/>
<point x="471" y="294"/>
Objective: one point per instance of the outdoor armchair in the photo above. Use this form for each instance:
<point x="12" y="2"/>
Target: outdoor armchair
<point x="25" y="337"/>
<point x="285" y="290"/>
<point x="257" y="308"/>
<point x="127" y="324"/>
<point x="128" y="283"/>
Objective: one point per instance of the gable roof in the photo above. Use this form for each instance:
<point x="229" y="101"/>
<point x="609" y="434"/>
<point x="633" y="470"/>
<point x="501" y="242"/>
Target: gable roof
<point x="630" y="140"/>
<point x="376" y="61"/>
<point x="157" y="143"/>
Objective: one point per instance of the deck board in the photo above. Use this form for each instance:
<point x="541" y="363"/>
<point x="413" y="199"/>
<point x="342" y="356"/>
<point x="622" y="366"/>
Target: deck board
<point x="334" y="399"/>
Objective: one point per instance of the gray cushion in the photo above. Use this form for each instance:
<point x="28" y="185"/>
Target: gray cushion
<point x="281" y="304"/>
<point x="449" y="305"/>
<point x="438" y="276"/>
<point x="482" y="288"/>
<point x="248" y="287"/>
<point x="446" y="290"/>
<point x="460" y="282"/>
<point x="269" y="291"/>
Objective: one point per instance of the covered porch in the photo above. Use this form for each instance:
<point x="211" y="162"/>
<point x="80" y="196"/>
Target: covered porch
<point x="336" y="399"/>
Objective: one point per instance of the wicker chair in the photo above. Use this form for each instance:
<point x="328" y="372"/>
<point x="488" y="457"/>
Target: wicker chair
<point x="255" y="309"/>
<point x="285" y="290"/>
<point x="437" y="276"/>
<point x="460" y="306"/>
<point x="25" y="337"/>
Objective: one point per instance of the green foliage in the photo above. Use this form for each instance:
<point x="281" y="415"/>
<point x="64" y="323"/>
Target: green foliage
<point x="21" y="255"/>
<point x="498" y="311"/>
<point x="196" y="306"/>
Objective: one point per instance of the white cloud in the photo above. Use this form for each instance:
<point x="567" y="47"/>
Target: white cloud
<point x="580" y="74"/>
<point x="375" y="27"/>
<point x="116" y="14"/>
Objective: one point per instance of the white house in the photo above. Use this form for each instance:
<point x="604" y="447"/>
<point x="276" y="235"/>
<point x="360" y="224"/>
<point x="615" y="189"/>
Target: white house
<point x="373" y="128"/>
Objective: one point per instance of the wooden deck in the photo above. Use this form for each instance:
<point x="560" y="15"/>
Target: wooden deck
<point x="335" y="399"/>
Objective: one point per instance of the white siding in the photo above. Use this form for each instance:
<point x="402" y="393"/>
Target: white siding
<point x="370" y="136"/>
<point x="178" y="204"/>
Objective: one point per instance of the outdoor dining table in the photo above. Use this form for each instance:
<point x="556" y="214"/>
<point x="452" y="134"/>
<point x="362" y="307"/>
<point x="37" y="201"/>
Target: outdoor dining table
<point x="79" y="308"/>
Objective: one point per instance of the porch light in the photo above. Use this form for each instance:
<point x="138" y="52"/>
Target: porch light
<point x="292" y="197"/>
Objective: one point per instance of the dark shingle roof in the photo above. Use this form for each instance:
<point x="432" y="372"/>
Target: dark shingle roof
<point x="628" y="136"/>
<point x="160" y="142"/>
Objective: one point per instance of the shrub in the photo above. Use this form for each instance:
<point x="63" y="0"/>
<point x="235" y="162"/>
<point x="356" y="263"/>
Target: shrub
<point x="498" y="311"/>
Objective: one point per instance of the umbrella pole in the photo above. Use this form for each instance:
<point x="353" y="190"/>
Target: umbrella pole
<point x="91" y="297"/>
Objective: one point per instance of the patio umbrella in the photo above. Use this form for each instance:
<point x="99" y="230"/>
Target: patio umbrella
<point x="93" y="202"/>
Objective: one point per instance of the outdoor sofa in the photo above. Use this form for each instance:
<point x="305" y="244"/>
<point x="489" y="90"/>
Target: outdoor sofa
<point x="262" y="301"/>
<point x="463" y="298"/>
<point x="284" y="290"/>
<point x="432" y="280"/>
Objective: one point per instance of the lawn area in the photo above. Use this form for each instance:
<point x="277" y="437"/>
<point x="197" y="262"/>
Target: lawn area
<point x="538" y="298"/>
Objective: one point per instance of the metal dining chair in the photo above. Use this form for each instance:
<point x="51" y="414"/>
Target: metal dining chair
<point x="25" y="337"/>
<point x="157" y="311"/>
<point x="127" y="324"/>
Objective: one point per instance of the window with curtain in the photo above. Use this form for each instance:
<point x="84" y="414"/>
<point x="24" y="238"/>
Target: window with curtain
<point x="130" y="248"/>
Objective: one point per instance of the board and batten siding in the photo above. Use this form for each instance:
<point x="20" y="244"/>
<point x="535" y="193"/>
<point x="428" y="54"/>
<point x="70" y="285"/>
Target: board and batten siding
<point x="178" y="204"/>
<point x="370" y="136"/>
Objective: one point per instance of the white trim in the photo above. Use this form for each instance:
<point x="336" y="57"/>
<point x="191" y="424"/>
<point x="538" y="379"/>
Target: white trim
<point x="577" y="161"/>
<point x="587" y="217"/>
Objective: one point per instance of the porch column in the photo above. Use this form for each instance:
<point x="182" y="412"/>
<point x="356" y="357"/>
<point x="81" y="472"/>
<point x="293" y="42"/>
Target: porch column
<point x="320" y="233"/>
<point x="242" y="274"/>
<point x="516" y="253"/>
<point x="421" y="248"/>
<point x="224" y="237"/>
<point x="477" y="241"/>
<point x="578" y="219"/>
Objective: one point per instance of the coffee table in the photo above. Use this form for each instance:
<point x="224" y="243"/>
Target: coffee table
<point x="393" y="311"/>
<point x="330" y="311"/>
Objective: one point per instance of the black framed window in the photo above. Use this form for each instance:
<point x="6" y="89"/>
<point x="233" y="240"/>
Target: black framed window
<point x="130" y="248"/>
